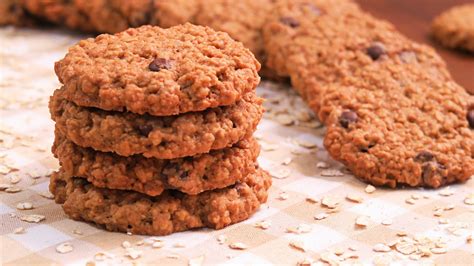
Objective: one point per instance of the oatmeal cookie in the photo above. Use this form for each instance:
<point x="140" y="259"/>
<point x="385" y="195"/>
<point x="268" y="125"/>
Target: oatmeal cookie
<point x="454" y="28"/>
<point x="384" y="98"/>
<point x="190" y="175"/>
<point x="158" y="71"/>
<point x="160" y="137"/>
<point x="172" y="211"/>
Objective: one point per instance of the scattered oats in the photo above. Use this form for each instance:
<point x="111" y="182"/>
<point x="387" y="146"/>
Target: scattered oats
<point x="322" y="165"/>
<point x="469" y="200"/>
<point x="46" y="194"/>
<point x="306" y="262"/>
<point x="300" y="229"/>
<point x="331" y="172"/>
<point x="370" y="189"/>
<point x="198" y="261"/>
<point x="126" y="244"/>
<point x="19" y="230"/>
<point x="64" y="248"/>
<point x="440" y="245"/>
<point x="330" y="202"/>
<point x="401" y="233"/>
<point x="381" y="248"/>
<point x="24" y="206"/>
<point x="335" y="210"/>
<point x="298" y="245"/>
<point x="13" y="189"/>
<point x="446" y="192"/>
<point x="268" y="146"/>
<point x="443" y="221"/>
<point x="280" y="173"/>
<point x="354" y="198"/>
<point x="77" y="232"/>
<point x="406" y="248"/>
<point x="100" y="256"/>
<point x="221" y="239"/>
<point x="449" y="207"/>
<point x="352" y="248"/>
<point x="157" y="244"/>
<point x="312" y="200"/>
<point x="410" y="201"/>
<point x="321" y="216"/>
<point x="329" y="258"/>
<point x="173" y="256"/>
<point x="362" y="221"/>
<point x="439" y="250"/>
<point x="287" y="161"/>
<point x="350" y="255"/>
<point x="338" y="251"/>
<point x="414" y="257"/>
<point x="306" y="143"/>
<point x="179" y="245"/>
<point x="387" y="222"/>
<point x="32" y="218"/>
<point x="238" y="246"/>
<point x="15" y="179"/>
<point x="285" y="119"/>
<point x="4" y="169"/>
<point x="133" y="253"/>
<point x="4" y="186"/>
<point x="416" y="196"/>
<point x="382" y="260"/>
<point x="283" y="196"/>
<point x="438" y="212"/>
<point x="263" y="224"/>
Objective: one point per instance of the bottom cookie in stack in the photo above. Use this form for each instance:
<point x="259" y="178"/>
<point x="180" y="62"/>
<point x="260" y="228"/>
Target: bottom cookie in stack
<point x="171" y="211"/>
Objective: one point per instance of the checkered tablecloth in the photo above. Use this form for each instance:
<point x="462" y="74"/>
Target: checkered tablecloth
<point x="283" y="232"/>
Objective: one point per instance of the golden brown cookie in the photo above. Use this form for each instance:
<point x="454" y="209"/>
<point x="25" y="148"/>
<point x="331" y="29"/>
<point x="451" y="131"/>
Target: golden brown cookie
<point x="190" y="175"/>
<point x="158" y="71"/>
<point x="172" y="211"/>
<point x="454" y="28"/>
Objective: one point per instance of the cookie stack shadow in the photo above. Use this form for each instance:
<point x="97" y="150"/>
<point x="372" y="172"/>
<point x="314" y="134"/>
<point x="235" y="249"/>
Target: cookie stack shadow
<point x="139" y="154"/>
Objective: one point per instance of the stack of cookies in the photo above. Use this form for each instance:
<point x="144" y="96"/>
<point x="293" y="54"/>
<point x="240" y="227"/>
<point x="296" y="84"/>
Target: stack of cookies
<point x="154" y="131"/>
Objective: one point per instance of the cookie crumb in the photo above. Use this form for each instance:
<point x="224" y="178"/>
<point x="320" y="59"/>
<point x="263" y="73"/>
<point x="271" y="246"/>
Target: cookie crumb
<point x="64" y="248"/>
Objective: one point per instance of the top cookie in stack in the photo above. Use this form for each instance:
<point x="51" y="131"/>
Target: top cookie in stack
<point x="159" y="122"/>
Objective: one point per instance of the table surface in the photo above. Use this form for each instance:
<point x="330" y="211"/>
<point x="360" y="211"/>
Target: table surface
<point x="413" y="18"/>
<point x="428" y="217"/>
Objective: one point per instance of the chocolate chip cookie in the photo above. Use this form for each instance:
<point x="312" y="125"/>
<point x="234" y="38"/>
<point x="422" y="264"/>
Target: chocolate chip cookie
<point x="158" y="71"/>
<point x="160" y="137"/>
<point x="170" y="212"/>
<point x="190" y="175"/>
<point x="454" y="28"/>
<point x="380" y="94"/>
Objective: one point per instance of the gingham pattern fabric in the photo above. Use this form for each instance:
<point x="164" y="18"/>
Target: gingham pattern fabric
<point x="26" y="133"/>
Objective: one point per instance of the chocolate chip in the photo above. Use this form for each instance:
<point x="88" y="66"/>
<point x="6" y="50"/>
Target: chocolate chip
<point x="376" y="50"/>
<point x="470" y="118"/>
<point x="145" y="129"/>
<point x="347" y="117"/>
<point x="431" y="174"/>
<point x="289" y="21"/>
<point x="424" y="156"/>
<point x="159" y="64"/>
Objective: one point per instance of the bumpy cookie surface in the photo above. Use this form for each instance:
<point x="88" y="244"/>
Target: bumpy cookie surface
<point x="454" y="28"/>
<point x="190" y="175"/>
<point x="158" y="71"/>
<point x="345" y="62"/>
<point x="13" y="13"/>
<point x="400" y="125"/>
<point x="160" y="137"/>
<point x="170" y="212"/>
<point x="243" y="20"/>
